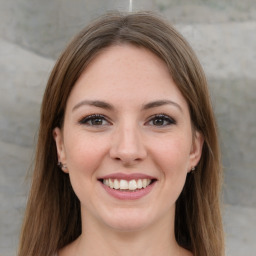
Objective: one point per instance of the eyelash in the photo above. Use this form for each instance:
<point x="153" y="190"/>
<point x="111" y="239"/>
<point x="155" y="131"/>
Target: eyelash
<point x="94" y="117"/>
<point x="165" y="120"/>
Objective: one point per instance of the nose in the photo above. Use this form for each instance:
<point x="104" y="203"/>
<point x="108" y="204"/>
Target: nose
<point x="127" y="145"/>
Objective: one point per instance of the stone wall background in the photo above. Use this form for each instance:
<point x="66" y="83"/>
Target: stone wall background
<point x="223" y="33"/>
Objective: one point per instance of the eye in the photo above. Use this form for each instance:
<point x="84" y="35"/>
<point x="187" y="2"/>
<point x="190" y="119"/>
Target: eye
<point x="161" y="120"/>
<point x="94" y="120"/>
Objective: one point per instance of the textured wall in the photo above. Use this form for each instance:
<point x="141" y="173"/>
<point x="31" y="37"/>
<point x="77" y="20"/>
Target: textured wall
<point x="33" y="33"/>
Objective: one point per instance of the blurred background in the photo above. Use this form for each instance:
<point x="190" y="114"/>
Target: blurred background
<point x="223" y="33"/>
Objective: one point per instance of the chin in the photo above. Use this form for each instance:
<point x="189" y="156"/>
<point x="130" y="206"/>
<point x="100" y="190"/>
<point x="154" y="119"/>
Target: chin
<point x="128" y="221"/>
<point x="128" y="227"/>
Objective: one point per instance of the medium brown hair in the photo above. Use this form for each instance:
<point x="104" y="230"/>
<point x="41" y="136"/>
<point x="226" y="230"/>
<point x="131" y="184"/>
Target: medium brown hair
<point x="52" y="218"/>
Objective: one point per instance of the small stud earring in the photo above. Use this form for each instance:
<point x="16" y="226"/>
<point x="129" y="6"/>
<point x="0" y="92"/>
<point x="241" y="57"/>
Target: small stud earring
<point x="193" y="168"/>
<point x="61" y="165"/>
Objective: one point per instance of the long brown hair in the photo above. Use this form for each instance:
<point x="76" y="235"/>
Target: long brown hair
<point x="52" y="218"/>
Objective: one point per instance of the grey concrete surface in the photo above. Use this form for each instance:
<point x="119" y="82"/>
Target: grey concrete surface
<point x="23" y="75"/>
<point x="240" y="230"/>
<point x="228" y="55"/>
<point x="33" y="33"/>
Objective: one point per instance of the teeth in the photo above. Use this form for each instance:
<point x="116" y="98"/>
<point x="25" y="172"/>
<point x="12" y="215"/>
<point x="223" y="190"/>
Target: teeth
<point x="144" y="183"/>
<point x="127" y="185"/>
<point x="124" y="184"/>
<point x="106" y="182"/>
<point x="132" y="185"/>
<point x="139" y="184"/>
<point x="111" y="183"/>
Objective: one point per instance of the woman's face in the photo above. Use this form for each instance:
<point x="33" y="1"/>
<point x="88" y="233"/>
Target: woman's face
<point x="127" y="140"/>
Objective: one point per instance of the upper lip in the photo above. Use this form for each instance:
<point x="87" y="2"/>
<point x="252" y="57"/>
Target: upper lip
<point x="124" y="176"/>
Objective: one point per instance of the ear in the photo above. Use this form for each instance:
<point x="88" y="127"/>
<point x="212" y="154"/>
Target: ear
<point x="196" y="149"/>
<point x="58" y="137"/>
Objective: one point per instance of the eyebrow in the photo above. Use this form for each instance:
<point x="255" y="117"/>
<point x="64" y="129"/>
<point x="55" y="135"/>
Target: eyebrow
<point x="160" y="103"/>
<point x="105" y="105"/>
<point x="95" y="103"/>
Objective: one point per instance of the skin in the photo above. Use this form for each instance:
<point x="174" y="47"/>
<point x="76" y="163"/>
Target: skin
<point x="127" y="138"/>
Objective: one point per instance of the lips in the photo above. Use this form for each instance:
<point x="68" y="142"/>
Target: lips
<point x="128" y="186"/>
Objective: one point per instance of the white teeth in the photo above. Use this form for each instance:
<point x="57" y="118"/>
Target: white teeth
<point x="132" y="185"/>
<point x="124" y="184"/>
<point x="144" y="183"/>
<point x="127" y="185"/>
<point x="106" y="182"/>
<point x="111" y="183"/>
<point x="116" y="184"/>
<point x="139" y="184"/>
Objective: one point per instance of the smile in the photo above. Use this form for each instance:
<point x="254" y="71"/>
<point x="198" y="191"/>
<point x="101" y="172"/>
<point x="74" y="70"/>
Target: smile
<point x="130" y="185"/>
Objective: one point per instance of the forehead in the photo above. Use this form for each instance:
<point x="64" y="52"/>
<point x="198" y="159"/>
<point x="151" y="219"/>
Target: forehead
<point x="131" y="57"/>
<point x="126" y="72"/>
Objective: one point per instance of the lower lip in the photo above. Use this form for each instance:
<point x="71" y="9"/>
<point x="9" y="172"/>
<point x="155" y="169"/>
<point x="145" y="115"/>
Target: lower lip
<point x="129" y="195"/>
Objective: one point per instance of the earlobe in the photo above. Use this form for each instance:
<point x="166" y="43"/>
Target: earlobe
<point x="58" y="137"/>
<point x="196" y="150"/>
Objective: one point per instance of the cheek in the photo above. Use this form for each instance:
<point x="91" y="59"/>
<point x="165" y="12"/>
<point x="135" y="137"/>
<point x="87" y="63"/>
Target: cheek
<point x="82" y="150"/>
<point x="84" y="154"/>
<point x="173" y="154"/>
<point x="172" y="158"/>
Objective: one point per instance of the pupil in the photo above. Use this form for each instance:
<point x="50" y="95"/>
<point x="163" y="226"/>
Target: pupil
<point x="97" y="121"/>
<point x="158" y="122"/>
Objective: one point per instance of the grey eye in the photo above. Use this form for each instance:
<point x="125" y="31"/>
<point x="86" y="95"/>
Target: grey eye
<point x="94" y="120"/>
<point x="161" y="120"/>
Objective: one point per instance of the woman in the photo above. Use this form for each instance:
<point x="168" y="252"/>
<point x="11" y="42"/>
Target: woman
<point x="127" y="116"/>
